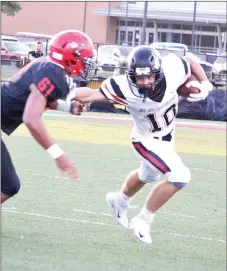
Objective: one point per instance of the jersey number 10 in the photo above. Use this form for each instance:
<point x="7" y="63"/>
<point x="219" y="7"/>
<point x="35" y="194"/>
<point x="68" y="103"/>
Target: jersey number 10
<point x="166" y="116"/>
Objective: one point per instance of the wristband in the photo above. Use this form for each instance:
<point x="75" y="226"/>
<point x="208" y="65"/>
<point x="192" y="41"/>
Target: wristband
<point x="55" y="151"/>
<point x="63" y="106"/>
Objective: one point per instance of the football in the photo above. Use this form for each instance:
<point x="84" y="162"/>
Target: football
<point x="184" y="91"/>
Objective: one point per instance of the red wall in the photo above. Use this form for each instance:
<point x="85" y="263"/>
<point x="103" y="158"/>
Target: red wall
<point x="52" y="17"/>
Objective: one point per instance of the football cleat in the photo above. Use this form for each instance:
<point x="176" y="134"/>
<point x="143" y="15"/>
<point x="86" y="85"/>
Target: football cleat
<point x="120" y="207"/>
<point x="141" y="229"/>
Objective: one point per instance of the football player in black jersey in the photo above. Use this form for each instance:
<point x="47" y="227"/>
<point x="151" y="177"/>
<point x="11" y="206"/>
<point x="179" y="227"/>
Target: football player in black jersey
<point x="33" y="89"/>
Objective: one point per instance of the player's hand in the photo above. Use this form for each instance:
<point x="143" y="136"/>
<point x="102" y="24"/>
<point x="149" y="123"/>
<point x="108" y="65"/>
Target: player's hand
<point x="205" y="88"/>
<point x="67" y="166"/>
<point x="76" y="108"/>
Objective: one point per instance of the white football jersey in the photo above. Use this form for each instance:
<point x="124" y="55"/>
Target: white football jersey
<point x="150" y="117"/>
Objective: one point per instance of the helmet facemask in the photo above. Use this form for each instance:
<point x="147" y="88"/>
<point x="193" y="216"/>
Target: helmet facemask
<point x="85" y="67"/>
<point x="151" y="90"/>
<point x="145" y="63"/>
<point x="90" y="68"/>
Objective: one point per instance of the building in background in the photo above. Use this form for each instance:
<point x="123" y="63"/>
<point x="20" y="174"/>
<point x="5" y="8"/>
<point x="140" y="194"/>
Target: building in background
<point x="121" y="22"/>
<point x="52" y="17"/>
<point x="171" y="22"/>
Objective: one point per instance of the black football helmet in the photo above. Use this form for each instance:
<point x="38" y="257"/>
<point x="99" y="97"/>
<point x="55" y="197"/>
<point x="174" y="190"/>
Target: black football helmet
<point x="145" y="61"/>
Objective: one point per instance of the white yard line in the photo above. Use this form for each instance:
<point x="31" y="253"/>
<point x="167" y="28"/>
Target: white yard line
<point x="108" y="225"/>
<point x="136" y="207"/>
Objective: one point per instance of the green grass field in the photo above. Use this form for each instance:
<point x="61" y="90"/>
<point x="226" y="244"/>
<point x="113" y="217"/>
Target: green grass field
<point x="54" y="224"/>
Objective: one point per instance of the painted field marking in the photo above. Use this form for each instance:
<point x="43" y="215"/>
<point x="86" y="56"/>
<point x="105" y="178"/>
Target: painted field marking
<point x="109" y="225"/>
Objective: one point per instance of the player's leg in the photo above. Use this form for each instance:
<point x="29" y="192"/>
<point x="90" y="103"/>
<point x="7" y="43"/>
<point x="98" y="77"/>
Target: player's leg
<point x="120" y="200"/>
<point x="10" y="183"/>
<point x="134" y="182"/>
<point x="162" y="156"/>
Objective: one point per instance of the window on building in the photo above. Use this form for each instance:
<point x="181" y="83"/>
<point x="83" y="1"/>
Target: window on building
<point x="186" y="27"/>
<point x="136" y="37"/>
<point x="198" y="28"/>
<point x="130" y="34"/>
<point x="207" y="41"/>
<point x="150" y="38"/>
<point x="150" y="25"/>
<point x="163" y="37"/>
<point x="186" y="39"/>
<point x="138" y="24"/>
<point x="175" y="37"/>
<point x="163" y="25"/>
<point x="122" y="23"/>
<point x="197" y="40"/>
<point x="116" y="37"/>
<point x="130" y="23"/>
<point x="208" y="28"/>
<point x="176" y="26"/>
<point x="122" y="37"/>
<point x="216" y="45"/>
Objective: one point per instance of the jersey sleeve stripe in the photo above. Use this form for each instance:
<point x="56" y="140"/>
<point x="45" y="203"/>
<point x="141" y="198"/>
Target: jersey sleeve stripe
<point x="111" y="96"/>
<point x="116" y="89"/>
<point x="104" y="89"/>
<point x="118" y="100"/>
<point x="186" y="68"/>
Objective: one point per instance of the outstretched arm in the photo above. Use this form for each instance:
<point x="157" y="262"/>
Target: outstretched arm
<point x="77" y="98"/>
<point x="73" y="107"/>
<point x="87" y="95"/>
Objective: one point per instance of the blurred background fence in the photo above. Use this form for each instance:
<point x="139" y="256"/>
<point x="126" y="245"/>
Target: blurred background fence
<point x="111" y="60"/>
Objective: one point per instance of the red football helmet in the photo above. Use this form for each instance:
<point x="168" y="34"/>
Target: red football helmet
<point x="74" y="52"/>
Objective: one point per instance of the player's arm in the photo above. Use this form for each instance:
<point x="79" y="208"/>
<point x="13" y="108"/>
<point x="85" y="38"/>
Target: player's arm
<point x="197" y="69"/>
<point x="78" y="97"/>
<point x="87" y="95"/>
<point x="34" y="108"/>
<point x="205" y="86"/>
<point x="108" y="91"/>
<point x="73" y="107"/>
<point x="44" y="91"/>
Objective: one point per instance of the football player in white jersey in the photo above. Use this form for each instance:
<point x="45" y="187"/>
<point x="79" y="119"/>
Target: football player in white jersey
<point x="149" y="90"/>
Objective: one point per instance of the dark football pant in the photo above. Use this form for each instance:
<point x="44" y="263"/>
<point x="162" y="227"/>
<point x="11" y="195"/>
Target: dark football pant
<point x="10" y="183"/>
